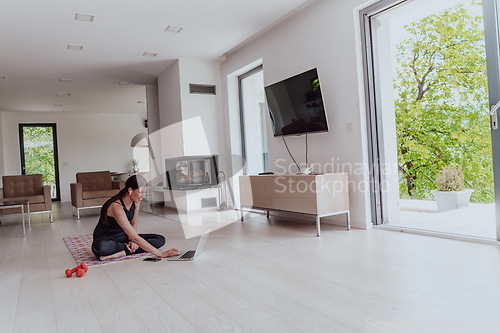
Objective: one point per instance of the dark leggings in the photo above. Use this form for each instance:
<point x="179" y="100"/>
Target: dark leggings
<point x="105" y="247"/>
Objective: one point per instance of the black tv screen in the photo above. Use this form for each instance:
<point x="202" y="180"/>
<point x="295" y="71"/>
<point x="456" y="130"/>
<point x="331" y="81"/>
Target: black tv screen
<point x="296" y="105"/>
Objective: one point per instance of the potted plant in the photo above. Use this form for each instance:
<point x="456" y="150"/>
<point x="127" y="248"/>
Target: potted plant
<point x="135" y="165"/>
<point x="450" y="190"/>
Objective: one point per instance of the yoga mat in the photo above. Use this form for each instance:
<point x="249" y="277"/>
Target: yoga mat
<point x="80" y="249"/>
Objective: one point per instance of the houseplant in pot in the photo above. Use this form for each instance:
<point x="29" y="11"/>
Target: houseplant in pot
<point x="135" y="165"/>
<point x="450" y="190"/>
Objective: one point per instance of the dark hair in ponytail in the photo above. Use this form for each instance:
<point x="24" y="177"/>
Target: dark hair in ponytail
<point x="134" y="182"/>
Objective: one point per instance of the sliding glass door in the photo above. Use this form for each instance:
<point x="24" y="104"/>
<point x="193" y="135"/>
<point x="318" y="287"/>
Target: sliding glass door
<point x="429" y="90"/>
<point x="492" y="32"/>
<point x="38" y="148"/>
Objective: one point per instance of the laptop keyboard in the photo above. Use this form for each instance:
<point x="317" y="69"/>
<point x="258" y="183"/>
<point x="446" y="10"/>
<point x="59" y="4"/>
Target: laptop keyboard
<point x="188" y="254"/>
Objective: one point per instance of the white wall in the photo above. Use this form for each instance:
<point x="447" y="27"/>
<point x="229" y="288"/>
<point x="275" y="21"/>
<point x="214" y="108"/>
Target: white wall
<point x="153" y="111"/>
<point x="86" y="142"/>
<point x="153" y="108"/>
<point x="155" y="162"/>
<point x="207" y="107"/>
<point x="323" y="35"/>
<point x="169" y="103"/>
<point x="2" y="161"/>
<point x="190" y="124"/>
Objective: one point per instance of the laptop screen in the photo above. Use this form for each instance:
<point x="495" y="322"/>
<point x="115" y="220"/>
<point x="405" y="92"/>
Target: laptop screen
<point x="201" y="243"/>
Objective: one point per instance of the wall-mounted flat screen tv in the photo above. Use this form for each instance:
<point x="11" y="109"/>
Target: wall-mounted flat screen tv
<point x="296" y="105"/>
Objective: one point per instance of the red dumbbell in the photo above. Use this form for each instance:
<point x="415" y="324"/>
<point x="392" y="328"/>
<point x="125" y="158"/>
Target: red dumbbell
<point x="83" y="267"/>
<point x="82" y="270"/>
<point x="70" y="272"/>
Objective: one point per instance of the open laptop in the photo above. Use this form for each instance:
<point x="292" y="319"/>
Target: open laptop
<point x="190" y="255"/>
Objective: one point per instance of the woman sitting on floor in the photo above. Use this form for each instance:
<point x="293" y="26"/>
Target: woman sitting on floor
<point x="116" y="234"/>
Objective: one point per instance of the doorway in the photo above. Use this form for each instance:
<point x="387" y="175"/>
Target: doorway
<point x="253" y="121"/>
<point x="426" y="70"/>
<point x="38" y="147"/>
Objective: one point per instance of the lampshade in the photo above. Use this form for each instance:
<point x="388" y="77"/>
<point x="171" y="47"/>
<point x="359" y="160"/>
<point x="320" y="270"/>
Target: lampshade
<point x="139" y="140"/>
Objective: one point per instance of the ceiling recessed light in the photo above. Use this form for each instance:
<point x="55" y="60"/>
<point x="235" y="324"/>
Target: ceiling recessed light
<point x="150" y="54"/>
<point x="84" y="17"/>
<point x="124" y="83"/>
<point x="65" y="80"/>
<point x="75" y="47"/>
<point x="173" y="29"/>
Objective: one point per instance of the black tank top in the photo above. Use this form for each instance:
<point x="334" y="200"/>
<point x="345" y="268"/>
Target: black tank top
<point x="112" y="229"/>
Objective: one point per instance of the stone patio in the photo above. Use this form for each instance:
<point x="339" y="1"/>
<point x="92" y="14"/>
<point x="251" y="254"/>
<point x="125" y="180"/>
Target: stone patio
<point x="477" y="220"/>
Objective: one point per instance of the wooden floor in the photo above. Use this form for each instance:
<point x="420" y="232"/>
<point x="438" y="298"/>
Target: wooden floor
<point x="254" y="276"/>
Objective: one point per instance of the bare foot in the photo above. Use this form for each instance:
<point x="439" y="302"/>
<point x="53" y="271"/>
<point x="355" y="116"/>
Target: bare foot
<point x="113" y="256"/>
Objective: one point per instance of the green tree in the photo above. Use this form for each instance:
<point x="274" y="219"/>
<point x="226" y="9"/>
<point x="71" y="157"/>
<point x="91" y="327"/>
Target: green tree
<point x="442" y="103"/>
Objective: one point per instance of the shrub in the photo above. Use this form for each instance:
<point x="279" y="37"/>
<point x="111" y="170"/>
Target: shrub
<point x="450" y="178"/>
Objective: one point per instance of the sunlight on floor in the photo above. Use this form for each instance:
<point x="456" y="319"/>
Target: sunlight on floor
<point x="196" y="223"/>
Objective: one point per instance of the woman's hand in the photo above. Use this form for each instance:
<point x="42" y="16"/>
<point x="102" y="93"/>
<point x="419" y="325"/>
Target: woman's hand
<point x="169" y="253"/>
<point x="132" y="247"/>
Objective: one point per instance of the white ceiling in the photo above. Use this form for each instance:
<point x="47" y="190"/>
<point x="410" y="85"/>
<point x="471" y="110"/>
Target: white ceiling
<point x="34" y="36"/>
